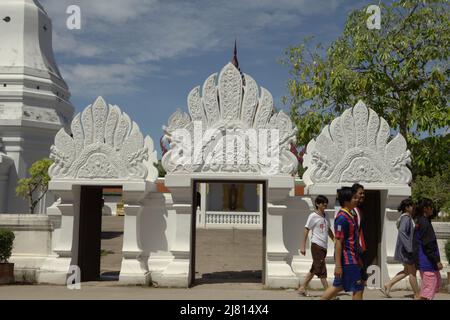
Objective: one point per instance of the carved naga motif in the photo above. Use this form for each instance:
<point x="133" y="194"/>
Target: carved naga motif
<point x="104" y="144"/>
<point x="229" y="107"/>
<point x="355" y="148"/>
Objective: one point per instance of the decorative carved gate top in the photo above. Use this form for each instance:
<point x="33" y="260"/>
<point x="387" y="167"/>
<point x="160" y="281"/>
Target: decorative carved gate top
<point x="355" y="148"/>
<point x="104" y="148"/>
<point x="230" y="106"/>
<point x="104" y="144"/>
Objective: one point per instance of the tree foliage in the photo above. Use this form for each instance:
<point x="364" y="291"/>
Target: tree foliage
<point x="35" y="187"/>
<point x="401" y="71"/>
<point x="6" y="244"/>
<point x="436" y="188"/>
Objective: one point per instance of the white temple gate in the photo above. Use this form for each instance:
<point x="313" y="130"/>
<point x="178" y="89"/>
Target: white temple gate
<point x="232" y="135"/>
<point x="356" y="147"/>
<point x="104" y="148"/>
<point x="213" y="143"/>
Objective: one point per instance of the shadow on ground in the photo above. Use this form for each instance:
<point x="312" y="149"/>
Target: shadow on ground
<point x="111" y="234"/>
<point x="110" y="276"/>
<point x="245" y="276"/>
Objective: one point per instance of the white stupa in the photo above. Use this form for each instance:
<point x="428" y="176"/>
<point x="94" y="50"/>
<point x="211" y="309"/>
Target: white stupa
<point x="34" y="98"/>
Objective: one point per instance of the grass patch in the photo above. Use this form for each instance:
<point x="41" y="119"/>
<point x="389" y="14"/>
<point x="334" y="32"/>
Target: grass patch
<point x="104" y="253"/>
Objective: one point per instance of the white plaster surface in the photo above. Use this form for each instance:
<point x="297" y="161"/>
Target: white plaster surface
<point x="34" y="99"/>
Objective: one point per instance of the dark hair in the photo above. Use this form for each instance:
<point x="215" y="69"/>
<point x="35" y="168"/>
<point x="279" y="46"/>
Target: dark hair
<point x="422" y="204"/>
<point x="356" y="187"/>
<point x="404" y="204"/>
<point x="320" y="199"/>
<point x="345" y="194"/>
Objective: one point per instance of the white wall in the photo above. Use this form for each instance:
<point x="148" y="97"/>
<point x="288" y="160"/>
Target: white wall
<point x="32" y="244"/>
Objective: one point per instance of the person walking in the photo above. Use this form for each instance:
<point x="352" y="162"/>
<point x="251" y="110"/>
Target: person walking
<point x="404" y="252"/>
<point x="319" y="224"/>
<point x="348" y="264"/>
<point x="426" y="250"/>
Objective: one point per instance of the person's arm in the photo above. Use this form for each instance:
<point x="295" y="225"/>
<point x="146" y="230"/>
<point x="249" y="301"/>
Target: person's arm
<point x="330" y="234"/>
<point x="303" y="245"/>
<point x="338" y="257"/>
<point x="404" y="234"/>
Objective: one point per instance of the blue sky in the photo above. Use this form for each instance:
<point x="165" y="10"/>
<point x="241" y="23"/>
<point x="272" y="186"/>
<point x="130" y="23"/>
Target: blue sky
<point x="146" y="55"/>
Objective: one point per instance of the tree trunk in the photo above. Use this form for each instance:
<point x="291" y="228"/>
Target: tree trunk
<point x="30" y="202"/>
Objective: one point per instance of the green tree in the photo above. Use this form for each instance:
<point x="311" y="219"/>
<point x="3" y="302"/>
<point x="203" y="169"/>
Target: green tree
<point x="35" y="187"/>
<point x="401" y="71"/>
<point x="436" y="188"/>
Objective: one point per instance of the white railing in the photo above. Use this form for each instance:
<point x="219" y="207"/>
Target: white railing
<point x="232" y="219"/>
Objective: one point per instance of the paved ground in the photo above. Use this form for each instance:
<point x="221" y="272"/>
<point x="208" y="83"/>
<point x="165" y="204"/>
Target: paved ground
<point x="112" y="240"/>
<point x="221" y="255"/>
<point x="229" y="291"/>
<point x="228" y="265"/>
<point x="228" y="256"/>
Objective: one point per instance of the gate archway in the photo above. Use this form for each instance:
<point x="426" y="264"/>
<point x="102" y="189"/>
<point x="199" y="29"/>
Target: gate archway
<point x="233" y="133"/>
<point x="104" y="148"/>
<point x="357" y="147"/>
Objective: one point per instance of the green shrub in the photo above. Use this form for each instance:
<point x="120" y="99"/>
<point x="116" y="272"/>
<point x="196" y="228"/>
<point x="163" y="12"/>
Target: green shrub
<point x="6" y="244"/>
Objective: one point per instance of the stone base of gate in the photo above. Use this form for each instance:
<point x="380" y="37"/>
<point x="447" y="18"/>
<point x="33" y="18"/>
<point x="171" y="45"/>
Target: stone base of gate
<point x="57" y="270"/>
<point x="177" y="272"/>
<point x="134" y="271"/>
<point x="280" y="275"/>
<point x="172" y="280"/>
<point x="54" y="271"/>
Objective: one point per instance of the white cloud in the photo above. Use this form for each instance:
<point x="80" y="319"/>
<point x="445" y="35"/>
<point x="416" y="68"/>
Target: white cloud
<point x="150" y="30"/>
<point x="70" y="45"/>
<point x="124" y="35"/>
<point x="103" y="79"/>
<point x="115" y="11"/>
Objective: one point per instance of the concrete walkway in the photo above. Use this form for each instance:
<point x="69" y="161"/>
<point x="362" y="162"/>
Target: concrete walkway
<point x="235" y="291"/>
<point x="228" y="267"/>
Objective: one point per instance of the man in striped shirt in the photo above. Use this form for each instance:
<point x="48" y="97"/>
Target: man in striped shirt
<point x="347" y="258"/>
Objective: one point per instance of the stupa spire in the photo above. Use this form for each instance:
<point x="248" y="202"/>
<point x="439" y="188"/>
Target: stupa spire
<point x="34" y="98"/>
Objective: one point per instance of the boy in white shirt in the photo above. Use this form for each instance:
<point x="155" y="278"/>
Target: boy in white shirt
<point x="320" y="226"/>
